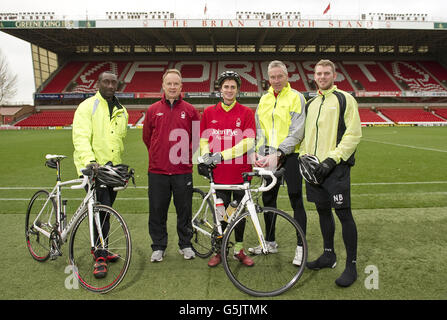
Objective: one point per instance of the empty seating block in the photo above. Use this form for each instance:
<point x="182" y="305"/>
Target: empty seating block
<point x="134" y="116"/>
<point x="367" y="116"/>
<point x="376" y="78"/>
<point x="48" y="119"/>
<point x="408" y="115"/>
<point x="441" y="112"/>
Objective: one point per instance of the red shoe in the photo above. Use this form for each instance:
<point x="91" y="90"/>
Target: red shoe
<point x="112" y="257"/>
<point x="244" y="259"/>
<point x="100" y="268"/>
<point x="214" y="261"/>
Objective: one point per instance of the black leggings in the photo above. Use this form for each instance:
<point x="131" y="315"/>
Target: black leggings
<point x="349" y="229"/>
<point x="106" y="196"/>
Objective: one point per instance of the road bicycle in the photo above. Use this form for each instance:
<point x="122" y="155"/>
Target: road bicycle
<point x="93" y="227"/>
<point x="273" y="272"/>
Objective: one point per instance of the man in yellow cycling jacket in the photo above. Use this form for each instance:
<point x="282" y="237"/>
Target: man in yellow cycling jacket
<point x="332" y="133"/>
<point x="99" y="127"/>
<point x="279" y="130"/>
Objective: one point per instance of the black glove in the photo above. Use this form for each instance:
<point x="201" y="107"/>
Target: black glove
<point x="211" y="159"/>
<point x="90" y="169"/>
<point x="324" y="168"/>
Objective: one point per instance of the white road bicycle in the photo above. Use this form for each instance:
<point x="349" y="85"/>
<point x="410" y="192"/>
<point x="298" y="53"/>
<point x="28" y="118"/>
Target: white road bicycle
<point x="47" y="229"/>
<point x="273" y="272"/>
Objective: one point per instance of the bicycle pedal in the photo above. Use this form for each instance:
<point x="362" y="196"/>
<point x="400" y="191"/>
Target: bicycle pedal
<point x="54" y="254"/>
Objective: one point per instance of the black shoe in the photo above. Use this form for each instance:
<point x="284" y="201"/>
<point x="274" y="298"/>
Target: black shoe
<point x="348" y="277"/>
<point x="326" y="260"/>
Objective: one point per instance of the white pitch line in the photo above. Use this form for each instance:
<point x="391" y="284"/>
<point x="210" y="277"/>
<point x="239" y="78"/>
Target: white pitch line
<point x="206" y="187"/>
<point x="404" y="145"/>
<point x="406" y="194"/>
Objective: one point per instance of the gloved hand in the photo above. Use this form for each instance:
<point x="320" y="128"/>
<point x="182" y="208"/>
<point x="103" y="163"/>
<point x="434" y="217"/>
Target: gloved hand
<point x="90" y="168"/>
<point x="92" y="165"/>
<point x="324" y="168"/>
<point x="211" y="159"/>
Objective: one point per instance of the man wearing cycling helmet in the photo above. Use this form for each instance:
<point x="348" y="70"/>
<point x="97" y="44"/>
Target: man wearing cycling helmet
<point x="99" y="127"/>
<point x="333" y="131"/>
<point x="227" y="134"/>
<point x="280" y="127"/>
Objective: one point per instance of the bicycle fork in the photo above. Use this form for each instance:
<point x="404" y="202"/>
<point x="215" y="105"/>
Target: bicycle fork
<point x="95" y="221"/>
<point x="255" y="220"/>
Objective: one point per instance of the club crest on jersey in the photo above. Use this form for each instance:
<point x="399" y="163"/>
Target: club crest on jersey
<point x="183" y="115"/>
<point x="159" y="114"/>
<point x="238" y="122"/>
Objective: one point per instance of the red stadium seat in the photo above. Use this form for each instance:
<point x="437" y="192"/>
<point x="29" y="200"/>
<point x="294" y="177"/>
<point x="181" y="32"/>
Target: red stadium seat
<point x="371" y="75"/>
<point x="410" y="115"/>
<point x="371" y="78"/>
<point x="413" y="76"/>
<point x="48" y="119"/>
<point x="63" y="78"/>
<point x="369" y="116"/>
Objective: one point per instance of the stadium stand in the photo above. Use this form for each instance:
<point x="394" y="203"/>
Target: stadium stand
<point x="48" y="119"/>
<point x="371" y="76"/>
<point x="55" y="118"/>
<point x="410" y="115"/>
<point x="61" y="81"/>
<point x="441" y="112"/>
<point x="368" y="116"/>
<point x="135" y="116"/>
<point x="436" y="70"/>
<point x="199" y="76"/>
<point x="415" y="77"/>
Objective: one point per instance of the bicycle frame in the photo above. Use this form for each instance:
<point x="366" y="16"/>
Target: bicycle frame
<point x="56" y="193"/>
<point x="88" y="202"/>
<point x="246" y="202"/>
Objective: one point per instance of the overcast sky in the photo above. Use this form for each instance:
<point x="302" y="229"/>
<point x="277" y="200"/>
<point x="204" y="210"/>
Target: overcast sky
<point x="18" y="52"/>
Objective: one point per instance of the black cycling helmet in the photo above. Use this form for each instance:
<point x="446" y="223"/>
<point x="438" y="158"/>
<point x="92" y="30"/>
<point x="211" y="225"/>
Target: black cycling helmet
<point x="229" y="75"/>
<point x="308" y="164"/>
<point x="114" y="176"/>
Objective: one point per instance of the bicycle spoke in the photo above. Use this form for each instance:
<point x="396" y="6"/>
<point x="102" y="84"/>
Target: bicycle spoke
<point x="116" y="242"/>
<point x="273" y="272"/>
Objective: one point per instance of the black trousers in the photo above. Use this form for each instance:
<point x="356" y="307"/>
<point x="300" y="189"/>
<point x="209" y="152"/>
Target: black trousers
<point x="225" y="195"/>
<point x="161" y="189"/>
<point x="295" y="191"/>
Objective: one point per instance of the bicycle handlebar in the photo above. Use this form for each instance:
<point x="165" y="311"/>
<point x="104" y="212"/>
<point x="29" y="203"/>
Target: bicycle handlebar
<point x="268" y="173"/>
<point x="82" y="185"/>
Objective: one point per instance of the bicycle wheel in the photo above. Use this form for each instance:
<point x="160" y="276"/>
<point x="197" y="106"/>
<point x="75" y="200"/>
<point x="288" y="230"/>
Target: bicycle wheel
<point x="272" y="273"/>
<point x="117" y="241"/>
<point x="202" y="224"/>
<point x="42" y="213"/>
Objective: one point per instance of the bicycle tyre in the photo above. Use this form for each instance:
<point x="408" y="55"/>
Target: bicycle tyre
<point x="202" y="243"/>
<point x="39" y="244"/>
<point x="273" y="273"/>
<point x="82" y="258"/>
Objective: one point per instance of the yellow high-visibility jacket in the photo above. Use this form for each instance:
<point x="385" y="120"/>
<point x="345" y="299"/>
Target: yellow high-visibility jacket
<point x="97" y="136"/>
<point x="333" y="127"/>
<point x="280" y="120"/>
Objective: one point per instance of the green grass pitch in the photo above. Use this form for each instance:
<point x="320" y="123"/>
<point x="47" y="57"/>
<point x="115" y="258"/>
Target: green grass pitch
<point x="399" y="197"/>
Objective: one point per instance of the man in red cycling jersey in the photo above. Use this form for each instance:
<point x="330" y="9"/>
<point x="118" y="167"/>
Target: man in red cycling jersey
<point x="227" y="133"/>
